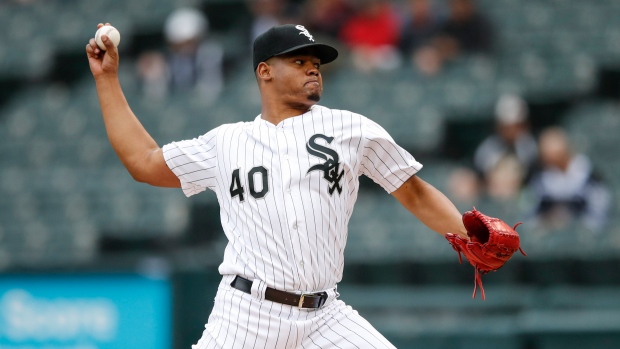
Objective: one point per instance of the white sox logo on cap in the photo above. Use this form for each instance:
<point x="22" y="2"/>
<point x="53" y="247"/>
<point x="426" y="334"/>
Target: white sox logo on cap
<point x="305" y="32"/>
<point x="287" y="38"/>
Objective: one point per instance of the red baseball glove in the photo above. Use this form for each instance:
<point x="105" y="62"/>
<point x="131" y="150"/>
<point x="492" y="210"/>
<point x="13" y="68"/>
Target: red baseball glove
<point x="491" y="244"/>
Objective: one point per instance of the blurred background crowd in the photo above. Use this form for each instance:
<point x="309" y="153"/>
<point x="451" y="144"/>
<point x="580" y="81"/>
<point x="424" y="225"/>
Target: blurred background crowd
<point x="513" y="107"/>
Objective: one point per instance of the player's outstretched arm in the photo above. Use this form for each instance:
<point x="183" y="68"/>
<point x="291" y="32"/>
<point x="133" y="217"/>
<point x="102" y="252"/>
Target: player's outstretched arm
<point x="136" y="149"/>
<point x="430" y="206"/>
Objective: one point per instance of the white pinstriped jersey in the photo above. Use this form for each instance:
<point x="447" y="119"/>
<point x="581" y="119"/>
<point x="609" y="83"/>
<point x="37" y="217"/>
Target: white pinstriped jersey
<point x="286" y="192"/>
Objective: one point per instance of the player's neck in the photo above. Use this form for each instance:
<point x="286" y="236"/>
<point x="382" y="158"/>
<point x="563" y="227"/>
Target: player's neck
<point x="279" y="112"/>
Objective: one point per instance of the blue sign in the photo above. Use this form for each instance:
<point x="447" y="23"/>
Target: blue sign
<point x="85" y="312"/>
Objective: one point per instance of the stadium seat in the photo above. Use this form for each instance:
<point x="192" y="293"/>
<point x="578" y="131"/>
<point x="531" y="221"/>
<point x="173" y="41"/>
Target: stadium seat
<point x="57" y="129"/>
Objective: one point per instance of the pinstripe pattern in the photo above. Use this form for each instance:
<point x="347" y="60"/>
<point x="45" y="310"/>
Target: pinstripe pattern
<point x="291" y="238"/>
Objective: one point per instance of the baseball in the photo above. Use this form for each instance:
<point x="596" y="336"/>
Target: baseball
<point x="111" y="32"/>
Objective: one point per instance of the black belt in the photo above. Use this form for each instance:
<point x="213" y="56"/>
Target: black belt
<point x="304" y="300"/>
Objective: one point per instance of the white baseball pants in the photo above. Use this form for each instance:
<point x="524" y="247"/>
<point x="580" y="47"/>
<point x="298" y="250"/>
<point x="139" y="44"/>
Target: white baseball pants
<point x="240" y="320"/>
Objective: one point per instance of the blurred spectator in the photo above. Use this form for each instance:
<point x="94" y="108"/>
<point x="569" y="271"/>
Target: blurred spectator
<point x="464" y="188"/>
<point x="512" y="137"/>
<point x="465" y="31"/>
<point x="505" y="179"/>
<point x="421" y="24"/>
<point x="269" y="13"/>
<point x="372" y="35"/>
<point x="192" y="63"/>
<point x="566" y="187"/>
<point x="326" y="16"/>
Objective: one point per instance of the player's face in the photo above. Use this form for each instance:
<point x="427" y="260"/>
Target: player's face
<point x="298" y="78"/>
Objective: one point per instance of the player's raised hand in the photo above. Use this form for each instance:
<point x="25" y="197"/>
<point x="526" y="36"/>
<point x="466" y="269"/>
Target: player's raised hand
<point x="102" y="63"/>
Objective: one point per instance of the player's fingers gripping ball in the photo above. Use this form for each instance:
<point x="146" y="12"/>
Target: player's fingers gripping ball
<point x="112" y="33"/>
<point x="491" y="244"/>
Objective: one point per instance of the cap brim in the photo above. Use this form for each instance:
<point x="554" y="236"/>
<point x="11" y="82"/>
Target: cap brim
<point x="324" y="52"/>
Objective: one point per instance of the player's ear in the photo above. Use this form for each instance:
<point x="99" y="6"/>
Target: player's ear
<point x="263" y="71"/>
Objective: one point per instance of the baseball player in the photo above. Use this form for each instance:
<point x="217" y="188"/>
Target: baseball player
<point x="286" y="183"/>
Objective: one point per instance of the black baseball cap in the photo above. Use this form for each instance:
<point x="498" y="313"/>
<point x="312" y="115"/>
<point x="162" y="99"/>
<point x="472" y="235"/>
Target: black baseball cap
<point x="287" y="38"/>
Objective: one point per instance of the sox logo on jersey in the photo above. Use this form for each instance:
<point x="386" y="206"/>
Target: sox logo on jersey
<point x="332" y="164"/>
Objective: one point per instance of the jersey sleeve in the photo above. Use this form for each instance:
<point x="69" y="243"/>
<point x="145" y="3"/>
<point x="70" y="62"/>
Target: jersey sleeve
<point x="384" y="161"/>
<point x="194" y="162"/>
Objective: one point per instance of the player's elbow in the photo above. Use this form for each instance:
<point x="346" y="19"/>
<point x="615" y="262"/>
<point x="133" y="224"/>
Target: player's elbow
<point x="138" y="169"/>
<point x="139" y="177"/>
<point x="150" y="179"/>
<point x="152" y="169"/>
<point x="137" y="173"/>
